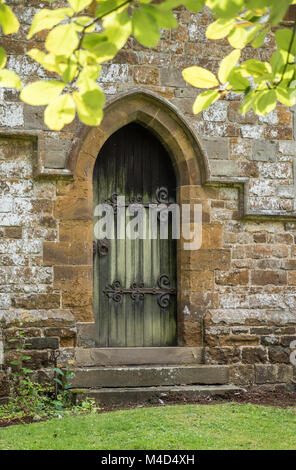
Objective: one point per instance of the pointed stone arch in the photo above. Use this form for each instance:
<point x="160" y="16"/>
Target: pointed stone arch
<point x="162" y="119"/>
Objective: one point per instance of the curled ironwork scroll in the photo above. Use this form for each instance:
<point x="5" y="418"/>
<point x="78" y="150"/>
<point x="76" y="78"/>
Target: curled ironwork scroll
<point x="161" y="196"/>
<point x="137" y="291"/>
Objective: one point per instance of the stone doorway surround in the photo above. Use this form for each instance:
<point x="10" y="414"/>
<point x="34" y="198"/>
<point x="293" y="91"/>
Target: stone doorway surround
<point x="72" y="255"/>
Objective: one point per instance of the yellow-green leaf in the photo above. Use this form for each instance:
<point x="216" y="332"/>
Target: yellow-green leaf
<point x="48" y="61"/>
<point x="62" y="40"/>
<point x="87" y="77"/>
<point x="255" y="68"/>
<point x="205" y="99"/>
<point x="248" y="102"/>
<point x="237" y="80"/>
<point x="60" y="112"/>
<point x="259" y="40"/>
<point x="225" y="8"/>
<point x="219" y="29"/>
<point x="107" y="6"/>
<point x="164" y="17"/>
<point x="266" y="102"/>
<point x="240" y="37"/>
<point x="199" y="77"/>
<point x="8" y="20"/>
<point x="90" y="115"/>
<point x="286" y="96"/>
<point x="118" y="28"/>
<point x="10" y="79"/>
<point x="227" y="65"/>
<point x="3" y="58"/>
<point x="79" y="5"/>
<point x="145" y="28"/>
<point x="47" y="19"/>
<point x="41" y="93"/>
<point x="193" y="5"/>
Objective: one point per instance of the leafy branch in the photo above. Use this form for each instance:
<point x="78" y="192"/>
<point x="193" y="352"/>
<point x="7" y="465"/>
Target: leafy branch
<point x="79" y="42"/>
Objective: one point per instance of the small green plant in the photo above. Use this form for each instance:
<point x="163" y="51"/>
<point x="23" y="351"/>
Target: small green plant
<point x="20" y="339"/>
<point x="37" y="401"/>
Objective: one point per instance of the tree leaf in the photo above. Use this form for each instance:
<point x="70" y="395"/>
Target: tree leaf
<point x="145" y="28"/>
<point x="47" y="19"/>
<point x="60" y="112"/>
<point x="283" y="37"/>
<point x="98" y="45"/>
<point x="227" y="64"/>
<point x="248" y="102"/>
<point x="278" y="10"/>
<point x="259" y="40"/>
<point x="79" y="5"/>
<point x="106" y="6"/>
<point x="194" y="5"/>
<point x="199" y="77"/>
<point x="118" y="28"/>
<point x="10" y="79"/>
<point x="42" y="93"/>
<point x="239" y="37"/>
<point x="219" y="29"/>
<point x="255" y="68"/>
<point x="90" y="115"/>
<point x="8" y="20"/>
<point x="285" y="95"/>
<point x="266" y="102"/>
<point x="164" y="18"/>
<point x="88" y="77"/>
<point x="62" y="40"/>
<point x="3" y="58"/>
<point x="205" y="99"/>
<point x="278" y="61"/>
<point x="226" y="8"/>
<point x="48" y="61"/>
<point x="237" y="80"/>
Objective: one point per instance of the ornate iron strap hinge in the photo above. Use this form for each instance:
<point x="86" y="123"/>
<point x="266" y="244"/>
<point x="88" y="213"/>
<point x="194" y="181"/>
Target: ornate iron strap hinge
<point x="137" y="291"/>
<point x="161" y="196"/>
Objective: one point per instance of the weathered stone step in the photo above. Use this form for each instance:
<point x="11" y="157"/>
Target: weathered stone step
<point x="97" y="357"/>
<point x="118" y="396"/>
<point x="97" y="377"/>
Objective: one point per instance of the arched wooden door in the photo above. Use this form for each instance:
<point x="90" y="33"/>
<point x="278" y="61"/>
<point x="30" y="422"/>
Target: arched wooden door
<point x="134" y="280"/>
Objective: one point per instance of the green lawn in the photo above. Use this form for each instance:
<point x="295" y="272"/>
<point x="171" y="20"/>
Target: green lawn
<point x="226" y="426"/>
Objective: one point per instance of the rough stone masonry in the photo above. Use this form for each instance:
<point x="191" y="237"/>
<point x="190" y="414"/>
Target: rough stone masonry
<point x="243" y="280"/>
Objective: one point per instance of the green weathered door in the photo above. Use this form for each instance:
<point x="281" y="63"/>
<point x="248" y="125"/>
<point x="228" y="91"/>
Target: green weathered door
<point x="134" y="280"/>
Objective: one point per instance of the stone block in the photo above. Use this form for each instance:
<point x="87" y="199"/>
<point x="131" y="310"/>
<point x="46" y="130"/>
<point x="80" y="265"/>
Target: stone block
<point x="232" y="278"/>
<point x="279" y="355"/>
<point x="242" y="375"/>
<point x="262" y="278"/>
<point x="37" y="301"/>
<point x="146" y="75"/>
<point x="217" y="112"/>
<point x="205" y="260"/>
<point x="224" y="167"/>
<point x="42" y="343"/>
<point x="272" y="373"/>
<point x="253" y="355"/>
<point x="63" y="253"/>
<point x="72" y="209"/>
<point x="264" y="151"/>
<point x="225" y="355"/>
<point x="239" y="340"/>
<point x="287" y="340"/>
<point x="217" y="148"/>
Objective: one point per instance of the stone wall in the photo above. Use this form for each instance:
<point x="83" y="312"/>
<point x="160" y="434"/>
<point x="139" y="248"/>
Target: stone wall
<point x="240" y="286"/>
